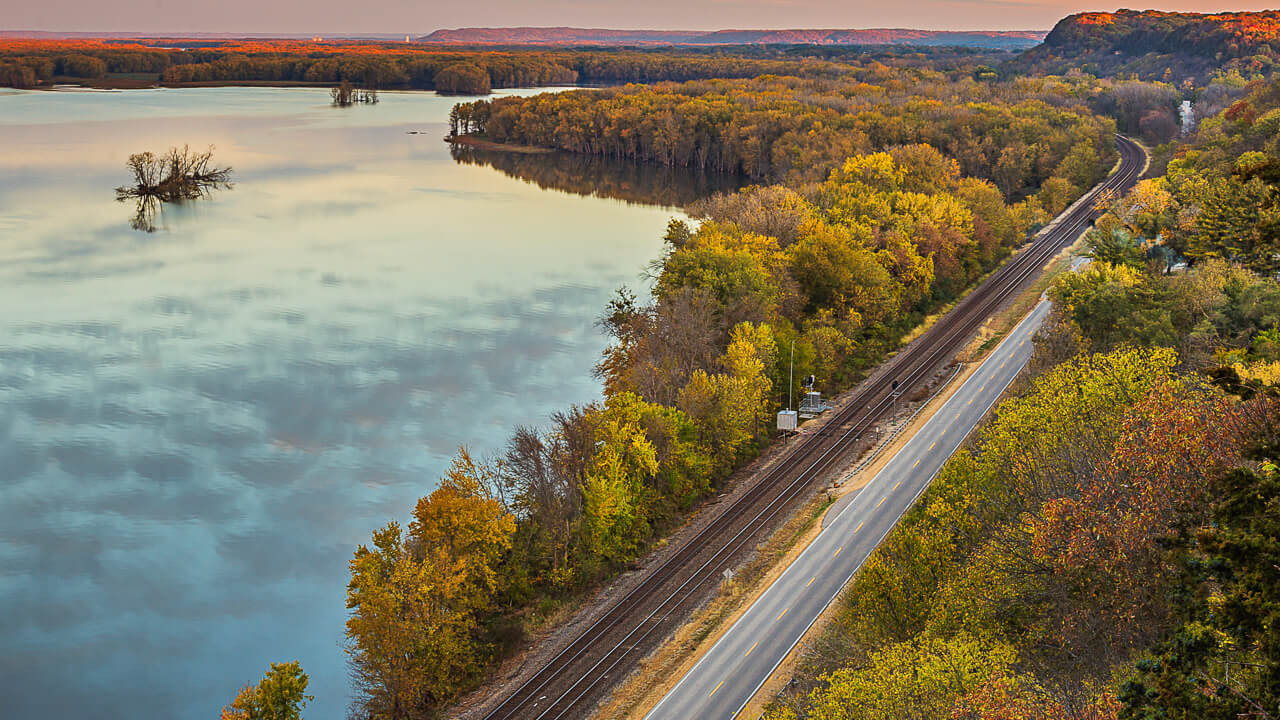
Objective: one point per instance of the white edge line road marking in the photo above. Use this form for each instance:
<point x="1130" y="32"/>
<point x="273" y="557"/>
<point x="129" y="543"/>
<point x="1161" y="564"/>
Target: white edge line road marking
<point x="800" y="637"/>
<point x="711" y="651"/>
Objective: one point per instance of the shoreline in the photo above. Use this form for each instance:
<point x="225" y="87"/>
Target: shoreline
<point x="480" y="143"/>
<point x="126" y="83"/>
<point x="150" y="81"/>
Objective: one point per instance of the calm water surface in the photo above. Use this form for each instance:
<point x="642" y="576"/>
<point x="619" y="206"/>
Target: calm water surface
<point x="197" y="425"/>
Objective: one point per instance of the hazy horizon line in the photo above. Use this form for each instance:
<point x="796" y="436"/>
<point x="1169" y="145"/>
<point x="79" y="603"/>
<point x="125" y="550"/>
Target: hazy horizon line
<point x="420" y="33"/>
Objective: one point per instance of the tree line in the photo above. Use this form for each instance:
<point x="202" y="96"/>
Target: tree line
<point x="28" y="63"/>
<point x="1019" y="134"/>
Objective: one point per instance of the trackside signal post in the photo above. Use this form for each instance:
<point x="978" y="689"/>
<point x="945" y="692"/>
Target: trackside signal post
<point x="811" y="404"/>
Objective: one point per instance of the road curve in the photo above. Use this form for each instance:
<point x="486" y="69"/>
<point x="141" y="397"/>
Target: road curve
<point x="583" y="669"/>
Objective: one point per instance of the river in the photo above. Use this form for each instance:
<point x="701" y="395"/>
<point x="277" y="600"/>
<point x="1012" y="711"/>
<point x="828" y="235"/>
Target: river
<point x="198" y="424"/>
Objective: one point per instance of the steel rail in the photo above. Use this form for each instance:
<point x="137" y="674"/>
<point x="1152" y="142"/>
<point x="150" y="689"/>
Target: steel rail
<point x="910" y="366"/>
<point x="1029" y="267"/>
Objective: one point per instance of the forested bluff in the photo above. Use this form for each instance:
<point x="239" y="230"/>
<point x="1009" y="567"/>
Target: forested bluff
<point x="1105" y="548"/>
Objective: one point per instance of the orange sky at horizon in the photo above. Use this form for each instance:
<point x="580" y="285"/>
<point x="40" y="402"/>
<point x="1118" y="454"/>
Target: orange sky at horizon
<point x="416" y="18"/>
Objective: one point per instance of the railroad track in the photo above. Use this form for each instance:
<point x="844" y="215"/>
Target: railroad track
<point x="572" y="682"/>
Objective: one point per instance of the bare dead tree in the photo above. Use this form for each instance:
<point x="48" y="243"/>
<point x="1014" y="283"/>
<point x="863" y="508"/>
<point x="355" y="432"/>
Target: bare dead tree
<point x="343" y="94"/>
<point x="177" y="175"/>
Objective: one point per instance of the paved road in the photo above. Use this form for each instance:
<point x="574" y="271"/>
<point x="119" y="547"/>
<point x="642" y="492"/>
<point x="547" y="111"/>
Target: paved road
<point x="724" y="680"/>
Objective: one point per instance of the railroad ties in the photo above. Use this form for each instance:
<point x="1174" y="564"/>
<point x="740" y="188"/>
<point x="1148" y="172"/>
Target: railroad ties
<point x="581" y="673"/>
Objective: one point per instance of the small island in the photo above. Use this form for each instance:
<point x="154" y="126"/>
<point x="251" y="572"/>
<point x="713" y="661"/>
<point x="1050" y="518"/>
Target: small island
<point x="178" y="175"/>
<point x="346" y="95"/>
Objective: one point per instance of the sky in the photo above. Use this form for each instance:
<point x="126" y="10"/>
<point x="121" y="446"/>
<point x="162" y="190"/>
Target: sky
<point x="418" y="17"/>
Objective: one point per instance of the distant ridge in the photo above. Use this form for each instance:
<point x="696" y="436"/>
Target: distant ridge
<point x="560" y="36"/>
<point x="877" y="36"/>
<point x="1004" y="39"/>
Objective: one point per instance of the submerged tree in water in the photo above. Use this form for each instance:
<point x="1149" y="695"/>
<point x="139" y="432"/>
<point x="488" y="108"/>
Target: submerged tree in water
<point x="174" y="176"/>
<point x="347" y="94"/>
<point x="177" y="175"/>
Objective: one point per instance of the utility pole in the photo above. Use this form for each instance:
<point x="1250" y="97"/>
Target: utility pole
<point x="791" y="374"/>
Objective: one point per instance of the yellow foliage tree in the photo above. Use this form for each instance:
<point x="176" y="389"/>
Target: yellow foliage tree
<point x="464" y="521"/>
<point x="1037" y="432"/>
<point x="413" y="632"/>
<point x="616" y="495"/>
<point x="748" y="360"/>
<point x="915" y="680"/>
<point x="410" y="632"/>
<point x="280" y="695"/>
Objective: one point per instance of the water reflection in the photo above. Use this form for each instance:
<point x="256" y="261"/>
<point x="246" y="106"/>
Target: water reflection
<point x="197" y="426"/>
<point x="587" y="175"/>
<point x="145" y="210"/>
<point x="149" y="212"/>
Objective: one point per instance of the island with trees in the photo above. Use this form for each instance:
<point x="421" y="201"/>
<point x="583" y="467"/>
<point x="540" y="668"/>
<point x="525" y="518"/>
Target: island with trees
<point x="175" y="176"/>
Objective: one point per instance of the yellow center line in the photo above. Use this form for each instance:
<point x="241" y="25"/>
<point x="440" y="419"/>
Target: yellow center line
<point x="837" y="552"/>
<point x="984" y="387"/>
<point x="855" y="530"/>
<point x="784" y="612"/>
<point x="753" y="647"/>
<point x="917" y="462"/>
<point x="815" y="577"/>
<point x="970" y="401"/>
<point x="895" y="487"/>
<point x="882" y="501"/>
<point x="935" y="442"/>
<point x="713" y="692"/>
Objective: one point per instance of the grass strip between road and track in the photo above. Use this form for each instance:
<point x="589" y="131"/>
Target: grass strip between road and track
<point x="659" y="672"/>
<point x="814" y="457"/>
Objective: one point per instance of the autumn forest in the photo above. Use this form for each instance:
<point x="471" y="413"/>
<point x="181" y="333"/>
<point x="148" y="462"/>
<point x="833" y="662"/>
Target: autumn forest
<point x="1137" y="454"/>
<point x="1105" y="547"/>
